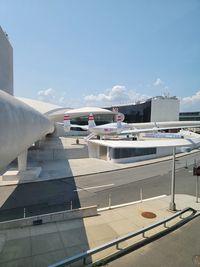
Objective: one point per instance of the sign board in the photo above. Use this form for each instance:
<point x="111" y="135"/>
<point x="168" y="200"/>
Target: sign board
<point x="196" y="171"/>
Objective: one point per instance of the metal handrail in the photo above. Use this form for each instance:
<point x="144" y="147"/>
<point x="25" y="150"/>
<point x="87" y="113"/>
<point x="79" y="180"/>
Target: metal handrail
<point x="116" y="241"/>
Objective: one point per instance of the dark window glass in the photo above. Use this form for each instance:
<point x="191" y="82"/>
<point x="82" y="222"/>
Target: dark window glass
<point x="136" y="113"/>
<point x="117" y="153"/>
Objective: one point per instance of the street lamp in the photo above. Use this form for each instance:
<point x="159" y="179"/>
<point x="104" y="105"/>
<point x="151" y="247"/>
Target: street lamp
<point x="172" y="205"/>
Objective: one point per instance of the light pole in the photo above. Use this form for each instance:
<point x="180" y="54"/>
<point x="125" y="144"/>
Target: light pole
<point x="197" y="189"/>
<point x="172" y="205"/>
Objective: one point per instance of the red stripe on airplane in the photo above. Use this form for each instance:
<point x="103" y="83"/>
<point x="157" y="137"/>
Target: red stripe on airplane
<point x="66" y="118"/>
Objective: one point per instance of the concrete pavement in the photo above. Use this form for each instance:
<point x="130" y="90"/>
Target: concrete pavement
<point x="45" y="244"/>
<point x="57" y="167"/>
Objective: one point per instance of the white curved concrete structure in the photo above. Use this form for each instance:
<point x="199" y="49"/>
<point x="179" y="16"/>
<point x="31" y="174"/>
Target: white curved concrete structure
<point x="54" y="112"/>
<point x="20" y="127"/>
<point x="87" y="110"/>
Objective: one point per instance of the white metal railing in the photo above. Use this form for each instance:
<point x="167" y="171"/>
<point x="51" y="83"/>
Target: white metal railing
<point x="116" y="242"/>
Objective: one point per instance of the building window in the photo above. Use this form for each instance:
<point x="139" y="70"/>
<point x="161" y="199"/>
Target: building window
<point x="118" y="153"/>
<point x="135" y="113"/>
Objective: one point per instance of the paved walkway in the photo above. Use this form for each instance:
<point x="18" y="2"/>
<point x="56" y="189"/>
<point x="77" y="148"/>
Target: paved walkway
<point x="45" y="244"/>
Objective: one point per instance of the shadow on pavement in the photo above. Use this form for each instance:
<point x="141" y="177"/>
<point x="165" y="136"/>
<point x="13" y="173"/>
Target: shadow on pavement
<point x="39" y="198"/>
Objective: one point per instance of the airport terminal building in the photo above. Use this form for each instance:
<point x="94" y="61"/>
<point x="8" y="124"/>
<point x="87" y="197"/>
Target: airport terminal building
<point x="158" y="108"/>
<point x="189" y="116"/>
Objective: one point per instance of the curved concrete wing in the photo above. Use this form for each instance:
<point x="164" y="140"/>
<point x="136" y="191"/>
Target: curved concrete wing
<point x="20" y="127"/>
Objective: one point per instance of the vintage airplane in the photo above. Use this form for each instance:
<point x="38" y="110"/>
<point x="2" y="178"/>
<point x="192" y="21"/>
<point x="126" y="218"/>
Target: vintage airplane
<point x="122" y="128"/>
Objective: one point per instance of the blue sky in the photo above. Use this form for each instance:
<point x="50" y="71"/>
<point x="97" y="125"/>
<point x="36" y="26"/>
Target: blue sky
<point x="101" y="52"/>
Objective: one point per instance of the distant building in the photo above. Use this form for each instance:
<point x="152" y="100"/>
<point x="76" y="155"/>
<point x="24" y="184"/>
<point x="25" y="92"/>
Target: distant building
<point x="154" y="109"/>
<point x="6" y="63"/>
<point x="189" y="116"/>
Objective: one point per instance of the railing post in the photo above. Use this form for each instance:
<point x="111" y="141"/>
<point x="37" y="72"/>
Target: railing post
<point x="141" y="194"/>
<point x="84" y="261"/>
<point x="195" y="163"/>
<point x="24" y="212"/>
<point x="109" y="201"/>
<point x="143" y="234"/>
<point x="71" y="205"/>
<point x="186" y="165"/>
<point x="117" y="246"/>
<point x="197" y="189"/>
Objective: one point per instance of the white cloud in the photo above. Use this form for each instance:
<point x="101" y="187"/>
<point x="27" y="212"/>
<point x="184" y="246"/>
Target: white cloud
<point x="51" y="96"/>
<point x="118" y="94"/>
<point x="191" y="102"/>
<point x="191" y="99"/>
<point x="158" y="82"/>
<point x="47" y="95"/>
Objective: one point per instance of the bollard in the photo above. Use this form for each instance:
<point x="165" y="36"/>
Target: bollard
<point x="71" y="205"/>
<point x="24" y="212"/>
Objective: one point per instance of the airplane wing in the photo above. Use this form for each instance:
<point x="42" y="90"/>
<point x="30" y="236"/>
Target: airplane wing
<point x="83" y="127"/>
<point x="155" y="129"/>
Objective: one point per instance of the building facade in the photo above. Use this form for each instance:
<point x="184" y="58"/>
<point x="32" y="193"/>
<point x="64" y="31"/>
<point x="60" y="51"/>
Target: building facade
<point x="6" y="63"/>
<point x="152" y="110"/>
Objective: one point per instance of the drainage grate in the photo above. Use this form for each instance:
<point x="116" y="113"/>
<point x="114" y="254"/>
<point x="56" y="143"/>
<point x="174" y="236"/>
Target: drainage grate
<point x="196" y="260"/>
<point x="148" y="215"/>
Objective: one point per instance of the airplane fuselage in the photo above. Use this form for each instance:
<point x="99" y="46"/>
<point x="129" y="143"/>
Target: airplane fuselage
<point x="109" y="129"/>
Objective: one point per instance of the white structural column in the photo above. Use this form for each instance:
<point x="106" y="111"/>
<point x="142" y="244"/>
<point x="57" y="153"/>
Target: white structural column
<point x="172" y="205"/>
<point x="22" y="161"/>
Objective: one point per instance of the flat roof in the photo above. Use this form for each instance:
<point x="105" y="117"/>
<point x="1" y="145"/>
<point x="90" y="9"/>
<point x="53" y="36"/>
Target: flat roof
<point x="85" y="111"/>
<point x="144" y="144"/>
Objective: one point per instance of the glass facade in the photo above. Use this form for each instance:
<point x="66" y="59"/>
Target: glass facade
<point x="136" y="112"/>
<point x="118" y="153"/>
<point x="99" y="119"/>
<point x="189" y="116"/>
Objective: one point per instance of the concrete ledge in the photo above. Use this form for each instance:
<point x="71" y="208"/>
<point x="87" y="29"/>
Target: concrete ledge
<point x="15" y="175"/>
<point x="50" y="217"/>
<point x="58" y="154"/>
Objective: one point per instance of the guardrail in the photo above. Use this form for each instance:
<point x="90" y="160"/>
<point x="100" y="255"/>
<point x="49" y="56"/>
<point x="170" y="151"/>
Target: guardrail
<point x="117" y="241"/>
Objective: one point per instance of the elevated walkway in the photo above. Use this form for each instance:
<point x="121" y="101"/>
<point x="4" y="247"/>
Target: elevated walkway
<point x="46" y="244"/>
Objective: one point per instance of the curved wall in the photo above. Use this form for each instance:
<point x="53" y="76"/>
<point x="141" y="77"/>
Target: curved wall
<point x="20" y="127"/>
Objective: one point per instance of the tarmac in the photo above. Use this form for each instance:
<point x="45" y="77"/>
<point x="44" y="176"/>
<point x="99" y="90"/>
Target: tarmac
<point x="42" y="245"/>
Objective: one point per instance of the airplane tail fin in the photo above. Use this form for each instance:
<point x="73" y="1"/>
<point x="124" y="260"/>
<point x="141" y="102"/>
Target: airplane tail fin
<point x="91" y="122"/>
<point x="67" y="123"/>
<point x="119" y="121"/>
